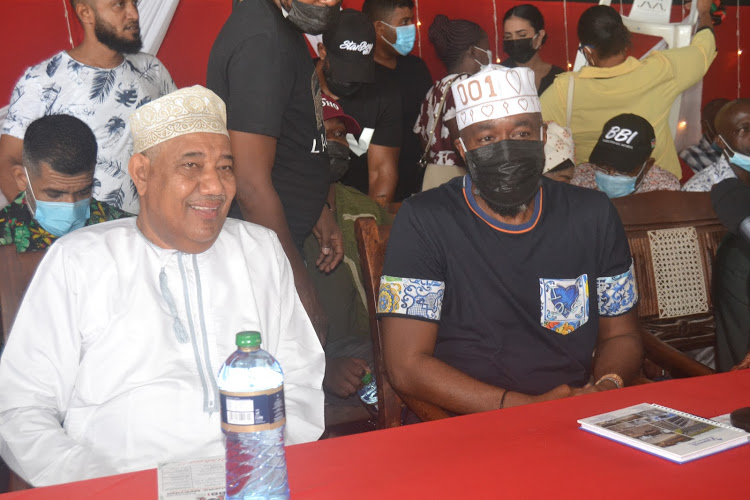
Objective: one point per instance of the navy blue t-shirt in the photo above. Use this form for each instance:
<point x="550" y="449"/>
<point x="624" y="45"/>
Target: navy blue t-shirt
<point x="518" y="307"/>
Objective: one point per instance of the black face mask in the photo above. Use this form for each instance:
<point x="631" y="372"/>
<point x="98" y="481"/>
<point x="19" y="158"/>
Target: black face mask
<point x="507" y="173"/>
<point x="338" y="155"/>
<point x="521" y="50"/>
<point x="313" y="19"/>
<point x="340" y="89"/>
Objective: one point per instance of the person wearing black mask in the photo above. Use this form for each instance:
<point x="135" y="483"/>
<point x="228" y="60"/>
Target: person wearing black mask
<point x="498" y="287"/>
<point x="346" y="70"/>
<point x="523" y="37"/>
<point x="261" y="67"/>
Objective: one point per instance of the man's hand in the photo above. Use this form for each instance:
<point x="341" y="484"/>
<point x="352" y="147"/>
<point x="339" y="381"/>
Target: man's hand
<point x="744" y="364"/>
<point x="331" y="241"/>
<point x="344" y="375"/>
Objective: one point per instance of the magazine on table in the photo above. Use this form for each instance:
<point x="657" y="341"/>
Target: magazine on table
<point x="665" y="432"/>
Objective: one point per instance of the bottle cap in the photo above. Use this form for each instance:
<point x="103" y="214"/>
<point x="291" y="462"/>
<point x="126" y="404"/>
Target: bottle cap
<point x="248" y="339"/>
<point x="367" y="378"/>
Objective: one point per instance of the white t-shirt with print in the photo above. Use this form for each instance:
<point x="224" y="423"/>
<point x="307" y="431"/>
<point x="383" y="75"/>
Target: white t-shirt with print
<point x="104" y="99"/>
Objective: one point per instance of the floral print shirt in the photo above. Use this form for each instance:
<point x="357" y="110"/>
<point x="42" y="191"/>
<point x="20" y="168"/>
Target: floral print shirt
<point x="18" y="227"/>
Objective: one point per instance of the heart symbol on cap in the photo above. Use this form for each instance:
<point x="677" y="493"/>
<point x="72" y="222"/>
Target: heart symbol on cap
<point x="487" y="110"/>
<point x="463" y="117"/>
<point x="514" y="79"/>
<point x="524" y="104"/>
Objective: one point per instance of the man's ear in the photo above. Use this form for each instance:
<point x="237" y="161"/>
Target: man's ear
<point x="322" y="52"/>
<point x="19" y="174"/>
<point x="459" y="145"/>
<point x="380" y="28"/>
<point x="85" y="13"/>
<point x="544" y="133"/>
<point x="139" y="167"/>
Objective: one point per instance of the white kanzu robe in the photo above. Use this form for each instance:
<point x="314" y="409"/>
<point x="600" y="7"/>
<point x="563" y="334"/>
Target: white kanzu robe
<point x="111" y="364"/>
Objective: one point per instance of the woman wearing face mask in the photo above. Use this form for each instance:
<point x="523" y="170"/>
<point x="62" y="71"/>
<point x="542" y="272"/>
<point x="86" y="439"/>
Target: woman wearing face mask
<point x="463" y="47"/>
<point x="523" y="36"/>
<point x="613" y="83"/>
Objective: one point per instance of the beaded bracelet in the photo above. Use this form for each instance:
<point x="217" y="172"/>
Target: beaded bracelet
<point x="614" y="378"/>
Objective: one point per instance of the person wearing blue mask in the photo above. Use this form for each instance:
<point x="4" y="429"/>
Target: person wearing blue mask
<point x="733" y="137"/>
<point x="56" y="182"/>
<point x="395" y="35"/>
<point x="621" y="163"/>
<point x="706" y="152"/>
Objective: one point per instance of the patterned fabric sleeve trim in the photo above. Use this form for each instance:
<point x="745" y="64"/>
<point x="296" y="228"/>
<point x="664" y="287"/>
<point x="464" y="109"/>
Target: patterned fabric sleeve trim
<point x="617" y="294"/>
<point x="419" y="299"/>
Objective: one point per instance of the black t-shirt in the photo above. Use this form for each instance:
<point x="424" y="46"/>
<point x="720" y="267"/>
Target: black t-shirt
<point x="413" y="80"/>
<point x="518" y="307"/>
<point x="546" y="79"/>
<point x="261" y="67"/>
<point x="377" y="109"/>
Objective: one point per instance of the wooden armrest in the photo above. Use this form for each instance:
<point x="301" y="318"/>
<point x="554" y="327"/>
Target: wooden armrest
<point x="672" y="360"/>
<point x="424" y="410"/>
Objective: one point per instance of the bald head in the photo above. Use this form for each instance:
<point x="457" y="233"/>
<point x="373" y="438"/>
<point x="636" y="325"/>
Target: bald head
<point x="733" y="127"/>
<point x="708" y="117"/>
<point x="733" y="119"/>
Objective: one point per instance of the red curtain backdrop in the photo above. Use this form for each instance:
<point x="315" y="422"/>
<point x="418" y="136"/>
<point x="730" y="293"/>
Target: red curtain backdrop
<point x="32" y="30"/>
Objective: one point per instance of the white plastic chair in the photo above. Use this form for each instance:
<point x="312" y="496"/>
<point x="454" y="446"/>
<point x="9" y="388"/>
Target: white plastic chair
<point x="651" y="17"/>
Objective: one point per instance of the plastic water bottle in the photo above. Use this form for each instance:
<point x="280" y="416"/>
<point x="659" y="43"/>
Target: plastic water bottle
<point x="369" y="393"/>
<point x="251" y="386"/>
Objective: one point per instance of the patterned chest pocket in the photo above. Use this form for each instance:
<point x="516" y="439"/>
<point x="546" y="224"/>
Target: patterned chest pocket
<point x="564" y="303"/>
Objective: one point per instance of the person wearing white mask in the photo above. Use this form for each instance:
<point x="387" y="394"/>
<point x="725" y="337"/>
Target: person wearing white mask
<point x="55" y="180"/>
<point x="395" y="34"/>
<point x="111" y="363"/>
<point x="504" y="287"/>
<point x="732" y="125"/>
<point x="463" y="47"/>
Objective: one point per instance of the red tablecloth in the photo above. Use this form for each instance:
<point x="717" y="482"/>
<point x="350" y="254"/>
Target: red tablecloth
<point x="534" y="451"/>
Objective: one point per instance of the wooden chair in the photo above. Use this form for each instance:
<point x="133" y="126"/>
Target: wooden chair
<point x="372" y="241"/>
<point x="666" y="334"/>
<point x="16" y="270"/>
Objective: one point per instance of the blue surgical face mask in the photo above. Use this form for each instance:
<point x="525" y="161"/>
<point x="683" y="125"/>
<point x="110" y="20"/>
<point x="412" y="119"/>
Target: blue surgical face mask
<point x="742" y="161"/>
<point x="616" y="186"/>
<point x="405" y="37"/>
<point x="60" y="218"/>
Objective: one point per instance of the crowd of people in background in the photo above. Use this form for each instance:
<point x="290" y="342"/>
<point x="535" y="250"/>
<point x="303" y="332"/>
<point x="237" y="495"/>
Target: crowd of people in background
<point x="504" y="171"/>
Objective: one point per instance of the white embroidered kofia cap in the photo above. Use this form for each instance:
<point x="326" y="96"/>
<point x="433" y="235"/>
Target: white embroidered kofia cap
<point x="495" y="92"/>
<point x="559" y="146"/>
<point x="184" y="111"/>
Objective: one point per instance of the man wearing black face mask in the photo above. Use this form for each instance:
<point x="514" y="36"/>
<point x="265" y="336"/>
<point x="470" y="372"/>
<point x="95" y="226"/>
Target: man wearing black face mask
<point x="498" y="288"/>
<point x="346" y="69"/>
<point x="261" y="67"/>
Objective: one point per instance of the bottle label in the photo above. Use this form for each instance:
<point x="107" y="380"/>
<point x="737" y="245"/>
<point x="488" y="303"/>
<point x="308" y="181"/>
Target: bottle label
<point x="252" y="411"/>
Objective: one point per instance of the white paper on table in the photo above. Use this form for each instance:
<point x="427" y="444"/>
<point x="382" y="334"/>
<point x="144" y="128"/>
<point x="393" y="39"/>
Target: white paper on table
<point x="202" y="479"/>
<point x="723" y="419"/>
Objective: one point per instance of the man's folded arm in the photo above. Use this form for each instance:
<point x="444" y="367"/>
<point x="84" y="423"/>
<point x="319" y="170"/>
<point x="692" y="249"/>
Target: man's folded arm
<point x="35" y="446"/>
<point x="38" y="373"/>
<point x="408" y="345"/>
